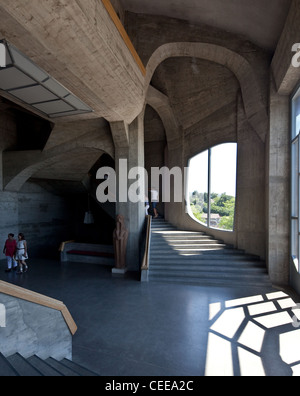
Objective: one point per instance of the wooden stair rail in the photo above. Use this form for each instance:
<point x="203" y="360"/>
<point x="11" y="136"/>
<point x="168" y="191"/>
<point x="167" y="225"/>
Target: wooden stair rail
<point x="63" y="245"/>
<point x="109" y="8"/>
<point x="27" y="295"/>
<point x="145" y="264"/>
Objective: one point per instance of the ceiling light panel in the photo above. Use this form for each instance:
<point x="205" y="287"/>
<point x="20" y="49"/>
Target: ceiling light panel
<point x="23" y="79"/>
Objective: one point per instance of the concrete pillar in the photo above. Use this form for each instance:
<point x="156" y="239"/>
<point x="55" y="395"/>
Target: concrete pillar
<point x="278" y="188"/>
<point x="134" y="213"/>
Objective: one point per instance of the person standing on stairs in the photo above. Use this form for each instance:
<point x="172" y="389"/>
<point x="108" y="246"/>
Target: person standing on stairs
<point x="21" y="254"/>
<point x="154" y="201"/>
<point x="147" y="205"/>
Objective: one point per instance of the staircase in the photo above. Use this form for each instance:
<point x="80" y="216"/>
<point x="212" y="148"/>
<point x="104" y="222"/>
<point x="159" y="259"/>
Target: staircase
<point x="17" y="366"/>
<point x="196" y="258"/>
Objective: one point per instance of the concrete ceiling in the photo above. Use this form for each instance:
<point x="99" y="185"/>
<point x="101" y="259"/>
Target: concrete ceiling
<point x="261" y="21"/>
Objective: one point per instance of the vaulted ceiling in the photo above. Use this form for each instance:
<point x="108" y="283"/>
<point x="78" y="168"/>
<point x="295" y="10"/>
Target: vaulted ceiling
<point x="261" y="21"/>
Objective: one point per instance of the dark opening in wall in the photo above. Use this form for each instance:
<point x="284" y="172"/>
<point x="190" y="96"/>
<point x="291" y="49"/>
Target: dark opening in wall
<point x="32" y="132"/>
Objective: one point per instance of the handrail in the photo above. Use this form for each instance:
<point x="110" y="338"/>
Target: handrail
<point x="145" y="263"/>
<point x="27" y="295"/>
<point x="107" y="4"/>
<point x="63" y="245"/>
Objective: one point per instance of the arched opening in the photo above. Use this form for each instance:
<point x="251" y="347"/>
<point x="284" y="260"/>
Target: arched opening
<point x="212" y="186"/>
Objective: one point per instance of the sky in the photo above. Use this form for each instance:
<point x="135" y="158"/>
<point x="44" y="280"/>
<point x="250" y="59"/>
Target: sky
<point x="223" y="168"/>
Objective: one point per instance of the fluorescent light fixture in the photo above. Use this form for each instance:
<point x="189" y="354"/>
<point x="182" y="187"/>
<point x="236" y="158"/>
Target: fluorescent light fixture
<point x="27" y="82"/>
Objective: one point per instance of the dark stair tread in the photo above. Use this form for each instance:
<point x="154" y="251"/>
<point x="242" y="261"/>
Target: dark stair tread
<point x="6" y="369"/>
<point x="63" y="369"/>
<point x="79" y="369"/>
<point x="44" y="367"/>
<point x="23" y="367"/>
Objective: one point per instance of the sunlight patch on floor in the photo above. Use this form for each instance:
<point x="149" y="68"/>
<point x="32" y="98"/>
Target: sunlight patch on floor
<point x="239" y="329"/>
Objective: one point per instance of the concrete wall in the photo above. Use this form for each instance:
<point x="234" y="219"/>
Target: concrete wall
<point x="34" y="330"/>
<point x="284" y="80"/>
<point x="207" y="102"/>
<point x="45" y="219"/>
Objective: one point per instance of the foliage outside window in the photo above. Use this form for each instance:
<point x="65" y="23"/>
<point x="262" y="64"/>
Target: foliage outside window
<point x="212" y="186"/>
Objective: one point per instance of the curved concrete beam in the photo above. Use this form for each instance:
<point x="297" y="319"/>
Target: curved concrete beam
<point x="251" y="90"/>
<point x="19" y="166"/>
<point x="161" y="104"/>
<point x="78" y="44"/>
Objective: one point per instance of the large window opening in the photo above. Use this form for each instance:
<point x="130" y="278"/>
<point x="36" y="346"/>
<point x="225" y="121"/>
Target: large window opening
<point x="212" y="186"/>
<point x="295" y="201"/>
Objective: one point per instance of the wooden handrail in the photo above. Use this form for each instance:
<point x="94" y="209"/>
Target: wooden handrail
<point x="110" y="9"/>
<point x="63" y="245"/>
<point x="145" y="264"/>
<point x="27" y="295"/>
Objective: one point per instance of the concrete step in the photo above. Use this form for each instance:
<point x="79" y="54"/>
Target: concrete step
<point x="206" y="251"/>
<point x="43" y="367"/>
<point x="82" y="371"/>
<point x="209" y="266"/>
<point x="196" y="258"/>
<point x="6" y="369"/>
<point x="211" y="257"/>
<point x="63" y="369"/>
<point x="190" y="247"/>
<point x="214" y="281"/>
<point x="177" y="233"/>
<point x="23" y="367"/>
<point x="17" y="366"/>
<point x="185" y="243"/>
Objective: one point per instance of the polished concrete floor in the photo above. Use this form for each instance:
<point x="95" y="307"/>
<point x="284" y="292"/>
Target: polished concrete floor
<point x="128" y="328"/>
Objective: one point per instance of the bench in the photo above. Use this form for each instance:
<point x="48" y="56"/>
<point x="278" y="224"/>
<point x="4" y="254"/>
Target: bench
<point x="93" y="254"/>
<point x="87" y="253"/>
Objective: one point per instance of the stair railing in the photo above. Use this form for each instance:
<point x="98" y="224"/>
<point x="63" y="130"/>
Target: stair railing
<point x="145" y="262"/>
<point x="30" y="296"/>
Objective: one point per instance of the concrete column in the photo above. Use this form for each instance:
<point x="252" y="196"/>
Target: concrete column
<point x="134" y="213"/>
<point x="175" y="211"/>
<point x="278" y="188"/>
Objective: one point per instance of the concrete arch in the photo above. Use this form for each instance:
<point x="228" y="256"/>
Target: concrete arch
<point x="160" y="103"/>
<point x="28" y="163"/>
<point x="43" y="161"/>
<point x="255" y="108"/>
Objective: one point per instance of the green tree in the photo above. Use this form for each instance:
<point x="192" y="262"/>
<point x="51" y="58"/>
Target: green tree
<point x="221" y="204"/>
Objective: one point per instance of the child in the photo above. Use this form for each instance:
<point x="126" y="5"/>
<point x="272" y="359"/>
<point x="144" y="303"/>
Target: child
<point x="9" y="250"/>
<point x="21" y="254"/>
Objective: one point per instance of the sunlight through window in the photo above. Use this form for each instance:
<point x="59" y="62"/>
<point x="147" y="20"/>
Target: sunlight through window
<point x="219" y="357"/>
<point x="290" y="346"/>
<point x="252" y="337"/>
<point x="212" y="186"/>
<point x="241" y="327"/>
<point x="250" y="364"/>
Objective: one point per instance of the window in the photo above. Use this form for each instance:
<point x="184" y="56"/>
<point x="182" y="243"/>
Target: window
<point x="295" y="201"/>
<point x="212" y="186"/>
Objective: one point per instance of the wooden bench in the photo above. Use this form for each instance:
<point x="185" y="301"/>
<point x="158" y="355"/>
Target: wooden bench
<point x="92" y="254"/>
<point x="87" y="253"/>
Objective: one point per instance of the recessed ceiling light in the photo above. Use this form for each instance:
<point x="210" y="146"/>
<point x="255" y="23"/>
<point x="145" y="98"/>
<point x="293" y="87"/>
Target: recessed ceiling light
<point x="23" y="79"/>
